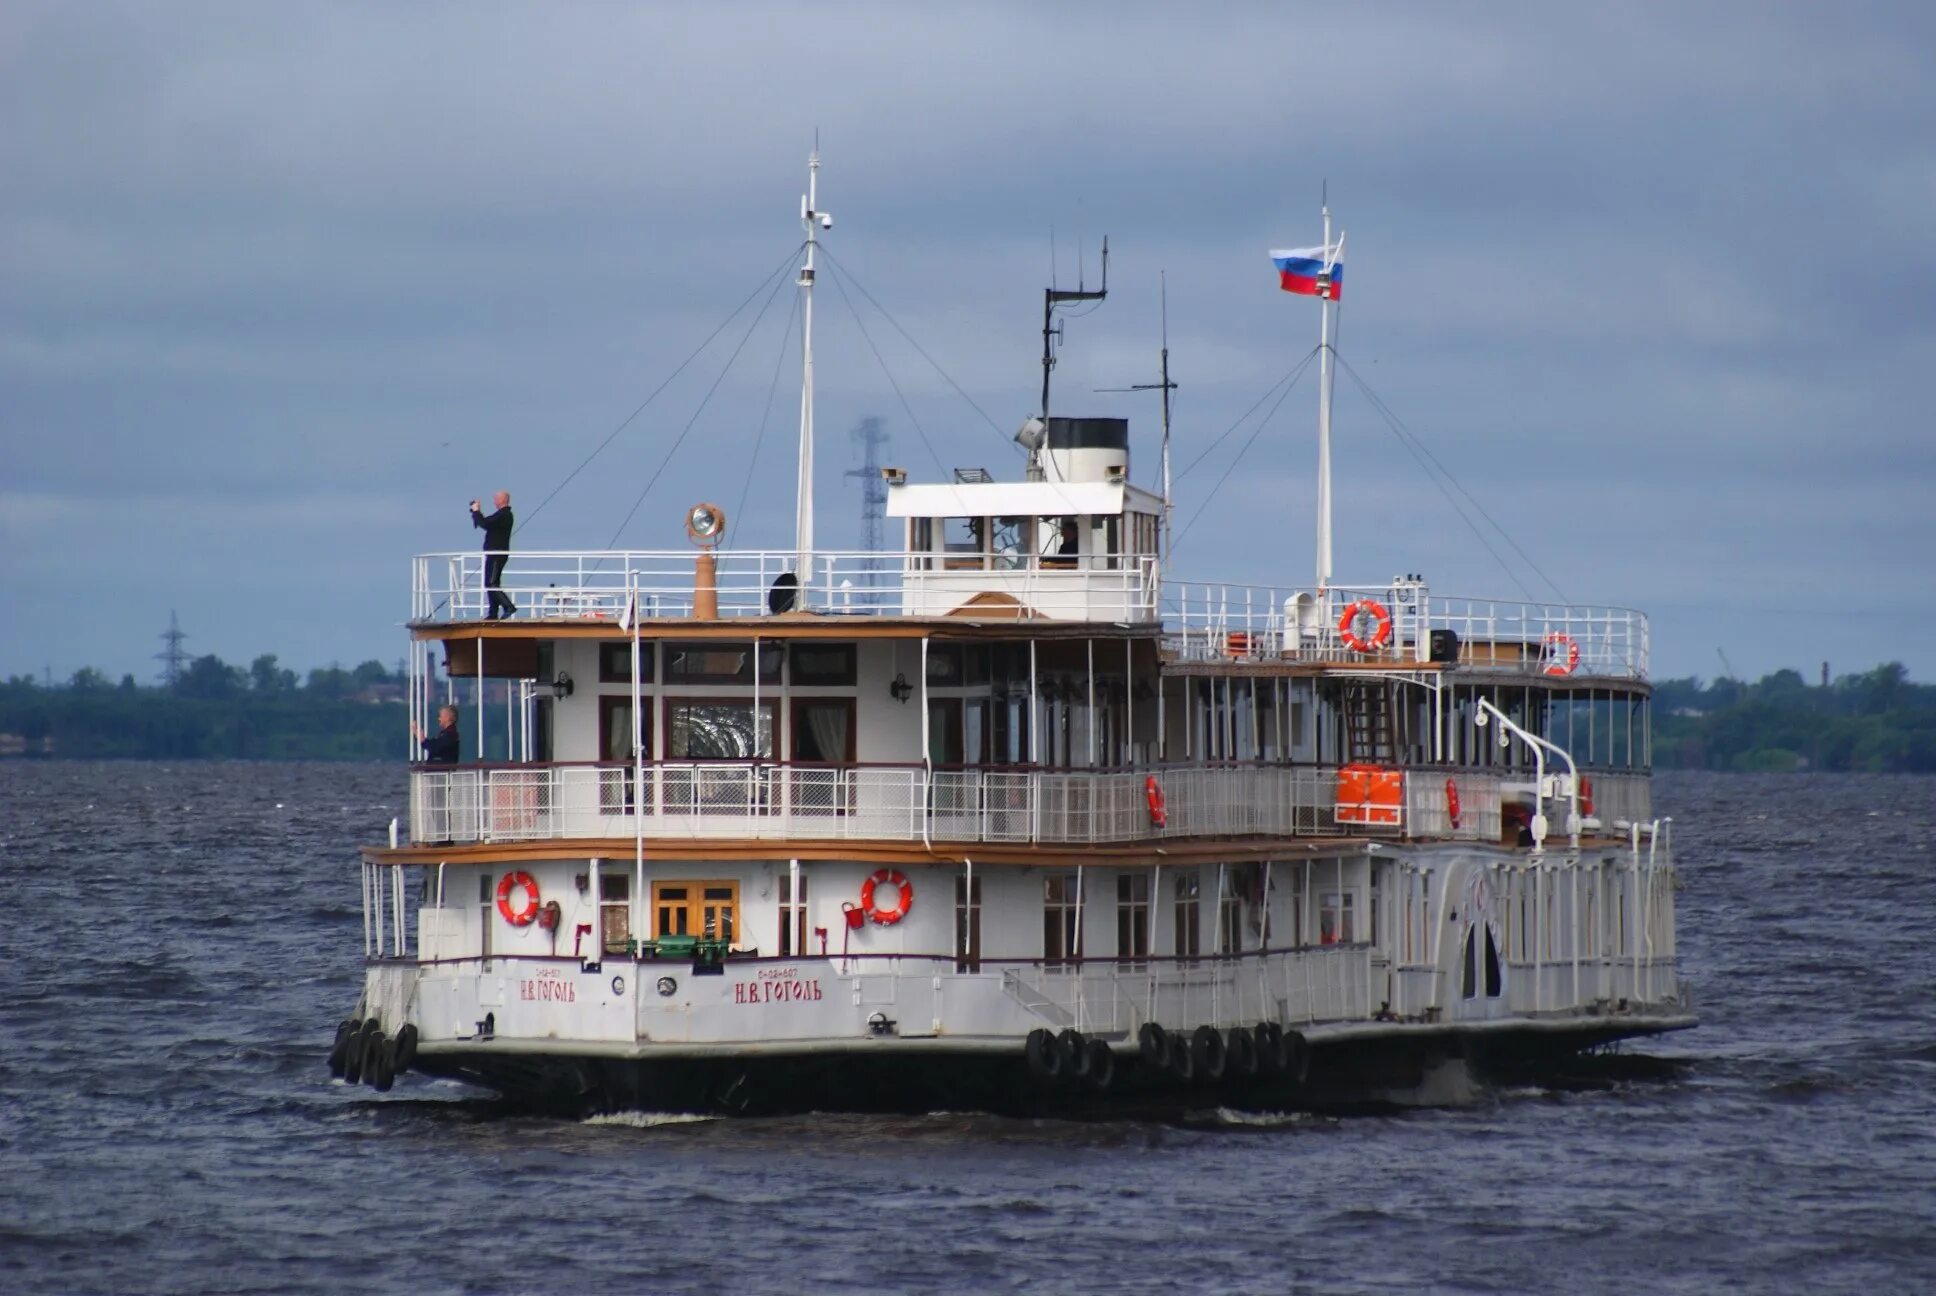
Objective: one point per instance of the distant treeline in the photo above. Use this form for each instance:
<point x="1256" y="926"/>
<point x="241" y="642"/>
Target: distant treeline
<point x="214" y="711"/>
<point x="1875" y="722"/>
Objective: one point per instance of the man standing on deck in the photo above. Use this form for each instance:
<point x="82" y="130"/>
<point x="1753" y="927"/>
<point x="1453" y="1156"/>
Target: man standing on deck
<point x="439" y="748"/>
<point x="497" y="550"/>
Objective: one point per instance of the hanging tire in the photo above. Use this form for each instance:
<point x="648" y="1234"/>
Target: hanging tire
<point x="1154" y="1042"/>
<point x="1207" y="1051"/>
<point x="1099" y="1069"/>
<point x="1295" y="1056"/>
<point x="373" y="1047"/>
<point x="339" y="1049"/>
<point x="406" y="1047"/>
<point x="353" y="1053"/>
<point x="1044" y="1056"/>
<point x="1240" y="1051"/>
<point x="386" y="1065"/>
<point x="1075" y="1053"/>
<point x="1270" y="1041"/>
<point x="1182" y="1061"/>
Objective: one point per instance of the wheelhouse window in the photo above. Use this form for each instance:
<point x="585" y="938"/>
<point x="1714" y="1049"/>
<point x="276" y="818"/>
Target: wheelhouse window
<point x="1061" y="926"/>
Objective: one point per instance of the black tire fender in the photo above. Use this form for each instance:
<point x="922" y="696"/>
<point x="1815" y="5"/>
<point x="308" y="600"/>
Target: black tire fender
<point x="1240" y="1051"/>
<point x="1099" y="1068"/>
<point x="1154" y="1042"/>
<point x="1044" y="1056"/>
<point x="406" y="1046"/>
<point x="1207" y="1051"/>
<point x="1075" y="1053"/>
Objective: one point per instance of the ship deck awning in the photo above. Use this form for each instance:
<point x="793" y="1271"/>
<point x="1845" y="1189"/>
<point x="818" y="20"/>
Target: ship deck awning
<point x="1020" y="499"/>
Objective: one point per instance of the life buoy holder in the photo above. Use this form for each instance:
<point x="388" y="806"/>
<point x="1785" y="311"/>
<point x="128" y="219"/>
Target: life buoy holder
<point x="511" y="882"/>
<point x="886" y="877"/>
<point x="1586" y="795"/>
<point x="1158" y="811"/>
<point x="1348" y="626"/>
<point x="1561" y="653"/>
<point x="1452" y="801"/>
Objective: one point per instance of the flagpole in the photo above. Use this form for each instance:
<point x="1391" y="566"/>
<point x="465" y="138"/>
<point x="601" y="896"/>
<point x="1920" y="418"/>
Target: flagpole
<point x="1324" y="420"/>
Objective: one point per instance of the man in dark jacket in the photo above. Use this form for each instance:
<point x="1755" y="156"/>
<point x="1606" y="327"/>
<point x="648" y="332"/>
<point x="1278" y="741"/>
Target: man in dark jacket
<point x="497" y="550"/>
<point x="439" y="748"/>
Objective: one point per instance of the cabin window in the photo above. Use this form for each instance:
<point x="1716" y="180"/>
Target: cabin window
<point x="707" y="909"/>
<point x="615" y="789"/>
<point x="1132" y="917"/>
<point x="615" y="662"/>
<point x="823" y="730"/>
<point x="716" y="663"/>
<point x="614" y="911"/>
<point x="1061" y="911"/>
<point x="1335" y="918"/>
<point x="1186" y="892"/>
<point x="967" y="924"/>
<point x="958" y="665"/>
<point x="1230" y="919"/>
<point x="823" y="665"/>
<point x="793" y="914"/>
<point x="717" y="729"/>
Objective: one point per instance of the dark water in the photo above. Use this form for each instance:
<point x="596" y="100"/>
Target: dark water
<point x="180" y="941"/>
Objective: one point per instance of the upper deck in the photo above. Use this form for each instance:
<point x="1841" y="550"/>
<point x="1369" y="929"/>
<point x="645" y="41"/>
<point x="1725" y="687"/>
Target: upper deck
<point x="1200" y="624"/>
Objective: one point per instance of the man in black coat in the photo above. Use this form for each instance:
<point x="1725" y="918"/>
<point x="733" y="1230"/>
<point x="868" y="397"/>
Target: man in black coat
<point x="439" y="748"/>
<point x="497" y="550"/>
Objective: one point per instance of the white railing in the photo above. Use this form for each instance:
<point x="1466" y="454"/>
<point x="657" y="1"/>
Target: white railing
<point x="1211" y="622"/>
<point x="909" y="803"/>
<point x="566" y="585"/>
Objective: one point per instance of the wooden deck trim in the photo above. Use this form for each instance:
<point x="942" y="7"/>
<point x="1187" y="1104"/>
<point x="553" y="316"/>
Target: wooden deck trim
<point x="1127" y="854"/>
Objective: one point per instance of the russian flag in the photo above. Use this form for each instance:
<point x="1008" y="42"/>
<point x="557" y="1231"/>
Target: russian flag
<point x="1314" y="271"/>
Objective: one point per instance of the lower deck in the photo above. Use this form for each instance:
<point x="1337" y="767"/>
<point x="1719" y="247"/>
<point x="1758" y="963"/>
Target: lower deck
<point x="690" y="967"/>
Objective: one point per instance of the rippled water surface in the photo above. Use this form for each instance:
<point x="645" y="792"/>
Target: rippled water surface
<point x="181" y="941"/>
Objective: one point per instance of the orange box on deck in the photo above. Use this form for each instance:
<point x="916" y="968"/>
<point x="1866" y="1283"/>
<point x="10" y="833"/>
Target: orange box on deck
<point x="1370" y="794"/>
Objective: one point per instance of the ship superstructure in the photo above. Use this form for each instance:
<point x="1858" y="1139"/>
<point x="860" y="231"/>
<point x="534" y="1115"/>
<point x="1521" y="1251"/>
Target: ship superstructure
<point x="1008" y="820"/>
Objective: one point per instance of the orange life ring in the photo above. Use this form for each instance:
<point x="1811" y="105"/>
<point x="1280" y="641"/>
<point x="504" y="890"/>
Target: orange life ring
<point x="1562" y="653"/>
<point x="1452" y="801"/>
<point x="511" y="882"/>
<point x="1158" y="812"/>
<point x="1348" y="626"/>
<point x="1586" y="795"/>
<point x="890" y="877"/>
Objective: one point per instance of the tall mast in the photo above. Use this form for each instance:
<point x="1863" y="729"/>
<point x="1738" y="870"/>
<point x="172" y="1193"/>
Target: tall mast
<point x="1324" y="419"/>
<point x="814" y="220"/>
<point x="1168" y="387"/>
<point x="1053" y="297"/>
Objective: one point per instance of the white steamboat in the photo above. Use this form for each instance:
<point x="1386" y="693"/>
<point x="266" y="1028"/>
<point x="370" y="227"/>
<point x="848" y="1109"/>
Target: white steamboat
<point x="1009" y="821"/>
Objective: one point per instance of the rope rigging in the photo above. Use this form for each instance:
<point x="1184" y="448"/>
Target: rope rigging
<point x="626" y="422"/>
<point x="704" y="401"/>
<point x="779" y="364"/>
<point x="1441" y="475"/>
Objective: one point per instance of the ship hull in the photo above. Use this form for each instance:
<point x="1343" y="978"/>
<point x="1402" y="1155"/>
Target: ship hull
<point x="1371" y="1067"/>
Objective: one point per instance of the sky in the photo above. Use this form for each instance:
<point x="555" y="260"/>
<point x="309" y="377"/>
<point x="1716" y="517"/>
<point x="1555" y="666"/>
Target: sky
<point x="284" y="287"/>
